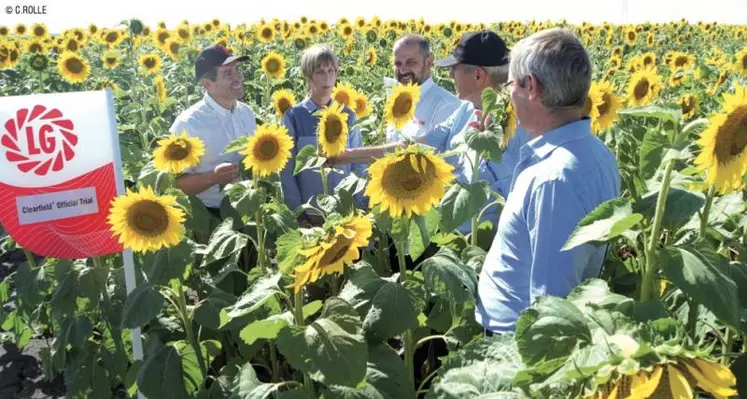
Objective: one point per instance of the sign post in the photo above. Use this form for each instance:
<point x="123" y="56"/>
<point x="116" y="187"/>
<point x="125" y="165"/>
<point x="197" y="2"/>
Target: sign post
<point x="60" y="169"/>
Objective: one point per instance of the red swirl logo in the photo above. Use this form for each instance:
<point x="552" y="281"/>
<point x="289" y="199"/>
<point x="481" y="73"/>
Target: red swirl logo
<point x="39" y="140"/>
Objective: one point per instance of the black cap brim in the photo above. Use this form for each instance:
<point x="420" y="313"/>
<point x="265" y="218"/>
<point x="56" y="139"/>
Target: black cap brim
<point x="447" y="62"/>
<point x="235" y="58"/>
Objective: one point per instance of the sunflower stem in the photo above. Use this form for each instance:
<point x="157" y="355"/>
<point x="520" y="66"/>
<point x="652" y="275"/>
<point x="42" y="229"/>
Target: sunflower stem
<point x="401" y="246"/>
<point x="323" y="171"/>
<point x="475" y="173"/>
<point x="109" y="311"/>
<point x="692" y="321"/>
<point x="30" y="258"/>
<point x="260" y="242"/>
<point x="648" y="290"/>
<point x="727" y="347"/>
<point x="187" y="321"/>
<point x="298" y="316"/>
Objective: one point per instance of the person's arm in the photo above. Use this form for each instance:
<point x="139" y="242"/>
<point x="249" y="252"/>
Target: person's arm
<point x="195" y="183"/>
<point x="291" y="192"/>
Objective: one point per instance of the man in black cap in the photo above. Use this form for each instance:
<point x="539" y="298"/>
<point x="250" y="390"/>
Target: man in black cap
<point x="217" y="119"/>
<point x="480" y="61"/>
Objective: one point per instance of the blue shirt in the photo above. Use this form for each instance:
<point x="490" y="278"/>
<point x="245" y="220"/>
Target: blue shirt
<point x="561" y="177"/>
<point x="305" y="186"/>
<point x="450" y="135"/>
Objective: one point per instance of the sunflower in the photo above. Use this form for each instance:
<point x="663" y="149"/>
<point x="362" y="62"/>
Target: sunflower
<point x="145" y="221"/>
<point x="161" y="35"/>
<point x="740" y="64"/>
<point x="409" y="181"/>
<point x="340" y="247"/>
<point x="682" y="61"/>
<point x="172" y="48"/>
<point x="73" y="68"/>
<point x="268" y="150"/>
<point x="346" y="30"/>
<point x="724" y="144"/>
<point x="35" y="46"/>
<point x="150" y="63"/>
<point x="21" y="29"/>
<point x="593" y="101"/>
<point x="332" y="130"/>
<point x="39" y="31"/>
<point x="159" y="89"/>
<point x="4" y="31"/>
<point x="672" y="380"/>
<point x="39" y="62"/>
<point x="283" y="100"/>
<point x="183" y="35"/>
<point x="631" y="36"/>
<point x="177" y="153"/>
<point x="689" y="105"/>
<point x="400" y="106"/>
<point x="360" y="106"/>
<point x="371" y="57"/>
<point x="607" y="108"/>
<point x="112" y="37"/>
<point x="649" y="59"/>
<point x="644" y="86"/>
<point x="344" y="94"/>
<point x="273" y="65"/>
<point x="265" y="33"/>
<point x="110" y="58"/>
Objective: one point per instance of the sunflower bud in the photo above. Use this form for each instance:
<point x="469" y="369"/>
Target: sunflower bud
<point x="136" y="26"/>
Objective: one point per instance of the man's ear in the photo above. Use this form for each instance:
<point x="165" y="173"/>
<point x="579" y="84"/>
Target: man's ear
<point x="533" y="87"/>
<point x="429" y="61"/>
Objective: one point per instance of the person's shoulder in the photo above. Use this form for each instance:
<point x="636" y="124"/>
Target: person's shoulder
<point x="444" y="94"/>
<point x="189" y="116"/>
<point x="244" y="107"/>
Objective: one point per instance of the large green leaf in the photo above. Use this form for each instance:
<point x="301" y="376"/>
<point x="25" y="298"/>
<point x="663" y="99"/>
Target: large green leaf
<point x="386" y="377"/>
<point x="596" y="292"/>
<point x="462" y="202"/>
<point x="738" y="273"/>
<point x="385" y="306"/>
<point x="609" y="220"/>
<point x="288" y="246"/>
<point x="142" y="305"/>
<point x="652" y="152"/>
<point x="421" y="232"/>
<point x="246" y="385"/>
<point x="259" y="293"/>
<point x="168" y="263"/>
<point x="270" y="327"/>
<point x="680" y="205"/>
<point x="200" y="219"/>
<point x="487" y="142"/>
<point x="307" y="159"/>
<point x="75" y="332"/>
<point x="193" y="379"/>
<point x="207" y="313"/>
<point x="445" y="273"/>
<point x="700" y="272"/>
<point x="245" y="198"/>
<point x="671" y="113"/>
<point x="483" y="368"/>
<point x="161" y="374"/>
<point x="332" y="348"/>
<point x="550" y="329"/>
<point x="236" y="145"/>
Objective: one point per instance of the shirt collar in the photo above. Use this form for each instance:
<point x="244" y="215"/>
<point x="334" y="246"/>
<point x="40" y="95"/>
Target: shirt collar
<point x="425" y="86"/>
<point x="543" y="145"/>
<point x="310" y="106"/>
<point x="210" y="101"/>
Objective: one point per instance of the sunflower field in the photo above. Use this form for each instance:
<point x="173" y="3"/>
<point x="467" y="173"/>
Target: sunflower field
<point x="225" y="306"/>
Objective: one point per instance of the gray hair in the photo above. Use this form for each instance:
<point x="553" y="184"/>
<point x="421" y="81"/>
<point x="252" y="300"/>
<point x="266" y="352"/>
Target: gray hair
<point x="558" y="59"/>
<point x="416" y="40"/>
<point x="314" y="57"/>
<point x="496" y="74"/>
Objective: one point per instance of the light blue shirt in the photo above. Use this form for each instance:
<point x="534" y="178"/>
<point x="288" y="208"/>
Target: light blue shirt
<point x="305" y="186"/>
<point x="561" y="177"/>
<point x="450" y="135"/>
<point x="435" y="105"/>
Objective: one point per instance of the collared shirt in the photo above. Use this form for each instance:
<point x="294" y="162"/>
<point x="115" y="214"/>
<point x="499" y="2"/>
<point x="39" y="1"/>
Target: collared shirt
<point x="450" y="134"/>
<point x="561" y="177"/>
<point x="435" y="105"/>
<point x="216" y="126"/>
<point x="305" y="186"/>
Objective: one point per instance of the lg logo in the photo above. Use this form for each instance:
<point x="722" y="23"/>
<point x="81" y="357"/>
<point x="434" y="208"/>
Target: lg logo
<point x="39" y="140"/>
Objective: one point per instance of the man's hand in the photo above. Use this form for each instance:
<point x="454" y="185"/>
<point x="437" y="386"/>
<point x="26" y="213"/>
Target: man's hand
<point x="225" y="173"/>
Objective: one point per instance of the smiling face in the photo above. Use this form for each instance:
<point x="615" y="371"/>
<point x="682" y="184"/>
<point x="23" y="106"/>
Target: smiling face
<point x="411" y="65"/>
<point x="228" y="84"/>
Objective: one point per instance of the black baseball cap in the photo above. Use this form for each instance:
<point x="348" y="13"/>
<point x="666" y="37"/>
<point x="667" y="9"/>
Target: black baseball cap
<point x="213" y="56"/>
<point x="481" y="48"/>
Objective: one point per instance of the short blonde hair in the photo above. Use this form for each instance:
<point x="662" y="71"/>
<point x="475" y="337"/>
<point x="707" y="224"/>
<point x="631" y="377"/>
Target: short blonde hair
<point x="316" y="56"/>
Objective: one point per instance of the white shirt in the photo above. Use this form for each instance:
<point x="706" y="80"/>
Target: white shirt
<point x="436" y="104"/>
<point x="216" y="126"/>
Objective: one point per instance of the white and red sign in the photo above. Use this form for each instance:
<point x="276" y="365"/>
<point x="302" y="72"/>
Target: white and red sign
<point x="59" y="171"/>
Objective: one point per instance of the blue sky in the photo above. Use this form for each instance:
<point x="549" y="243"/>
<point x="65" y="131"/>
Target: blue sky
<point x="63" y="14"/>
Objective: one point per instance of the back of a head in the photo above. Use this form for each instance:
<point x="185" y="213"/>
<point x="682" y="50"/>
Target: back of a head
<point x="558" y="59"/>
